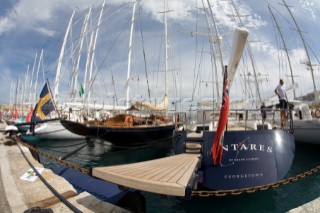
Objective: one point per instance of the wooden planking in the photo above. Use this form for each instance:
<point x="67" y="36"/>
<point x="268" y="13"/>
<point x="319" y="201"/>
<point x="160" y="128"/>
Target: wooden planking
<point x="168" y="176"/>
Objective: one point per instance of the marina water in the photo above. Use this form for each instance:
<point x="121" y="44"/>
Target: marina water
<point x="280" y="199"/>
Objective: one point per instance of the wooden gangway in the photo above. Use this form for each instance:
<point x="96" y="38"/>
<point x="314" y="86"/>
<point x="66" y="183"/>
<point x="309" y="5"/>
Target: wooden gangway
<point x="167" y="176"/>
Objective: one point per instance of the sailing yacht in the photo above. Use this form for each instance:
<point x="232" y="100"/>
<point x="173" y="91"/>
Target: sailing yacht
<point x="137" y="123"/>
<point x="236" y="158"/>
<point x="214" y="160"/>
<point x="305" y="128"/>
<point x="44" y="127"/>
<point x="243" y="114"/>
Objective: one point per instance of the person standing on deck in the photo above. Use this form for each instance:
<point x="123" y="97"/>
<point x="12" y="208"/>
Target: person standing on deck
<point x="263" y="109"/>
<point x="283" y="101"/>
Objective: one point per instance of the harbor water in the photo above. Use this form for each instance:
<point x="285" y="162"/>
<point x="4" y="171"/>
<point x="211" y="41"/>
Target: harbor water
<point x="279" y="199"/>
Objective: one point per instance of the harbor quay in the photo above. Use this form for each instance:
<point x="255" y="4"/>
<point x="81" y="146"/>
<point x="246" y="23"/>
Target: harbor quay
<point x="22" y="191"/>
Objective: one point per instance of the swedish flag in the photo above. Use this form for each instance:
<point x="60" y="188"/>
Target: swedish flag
<point x="44" y="105"/>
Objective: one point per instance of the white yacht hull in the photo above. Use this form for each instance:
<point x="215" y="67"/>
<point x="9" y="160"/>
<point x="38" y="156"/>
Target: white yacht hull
<point x="307" y="131"/>
<point x="54" y="130"/>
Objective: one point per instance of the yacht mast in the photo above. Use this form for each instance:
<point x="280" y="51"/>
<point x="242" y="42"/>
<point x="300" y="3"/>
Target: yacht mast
<point x="74" y="80"/>
<point x="56" y="83"/>
<point x="87" y="63"/>
<point x="285" y="48"/>
<point x="219" y="54"/>
<point x="166" y="48"/>
<point x="316" y="98"/>
<point x="129" y="54"/>
<point x="94" y="50"/>
<point x="37" y="75"/>
<point x="25" y="86"/>
<point x="31" y="79"/>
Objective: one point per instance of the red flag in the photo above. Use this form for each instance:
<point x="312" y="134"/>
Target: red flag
<point x="29" y="115"/>
<point x="216" y="150"/>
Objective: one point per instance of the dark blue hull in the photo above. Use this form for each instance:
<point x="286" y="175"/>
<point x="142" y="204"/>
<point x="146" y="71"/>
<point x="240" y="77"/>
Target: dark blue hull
<point x="122" y="136"/>
<point x="250" y="158"/>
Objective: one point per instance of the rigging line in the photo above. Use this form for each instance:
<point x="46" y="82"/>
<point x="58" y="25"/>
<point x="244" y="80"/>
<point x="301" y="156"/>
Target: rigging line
<point x="172" y="54"/>
<point x="159" y="60"/>
<point x="108" y="52"/>
<point x="287" y="60"/>
<point x="195" y="61"/>
<point x="176" y="73"/>
<point x="104" y="87"/>
<point x="278" y="45"/>
<point x="243" y="82"/>
<point x="279" y="13"/>
<point x="250" y="90"/>
<point x="114" y="87"/>
<point x="143" y="51"/>
<point x="313" y="53"/>
<point x="55" y="192"/>
<point x="200" y="65"/>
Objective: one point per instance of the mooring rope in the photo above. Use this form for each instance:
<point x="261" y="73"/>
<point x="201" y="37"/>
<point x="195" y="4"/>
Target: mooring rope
<point x="53" y="190"/>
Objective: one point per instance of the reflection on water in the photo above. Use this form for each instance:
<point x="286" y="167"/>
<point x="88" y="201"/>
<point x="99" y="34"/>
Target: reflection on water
<point x="281" y="199"/>
<point x="93" y="153"/>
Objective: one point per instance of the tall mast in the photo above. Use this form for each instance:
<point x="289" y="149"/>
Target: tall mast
<point x="129" y="54"/>
<point x="31" y="79"/>
<point x="87" y="62"/>
<point x="75" y="71"/>
<point x="36" y="83"/>
<point x="25" y="86"/>
<point x="316" y="98"/>
<point x="56" y="83"/>
<point x="94" y="50"/>
<point x="166" y="47"/>
<point x="285" y="48"/>
<point x="219" y="48"/>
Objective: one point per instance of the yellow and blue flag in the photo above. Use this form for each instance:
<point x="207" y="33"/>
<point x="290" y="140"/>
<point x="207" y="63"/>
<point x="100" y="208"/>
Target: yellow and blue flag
<point x="44" y="105"/>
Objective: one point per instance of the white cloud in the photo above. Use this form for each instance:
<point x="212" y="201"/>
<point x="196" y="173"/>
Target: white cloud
<point x="310" y="6"/>
<point x="5" y="24"/>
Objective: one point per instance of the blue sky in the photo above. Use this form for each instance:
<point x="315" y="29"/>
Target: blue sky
<point x="29" y="26"/>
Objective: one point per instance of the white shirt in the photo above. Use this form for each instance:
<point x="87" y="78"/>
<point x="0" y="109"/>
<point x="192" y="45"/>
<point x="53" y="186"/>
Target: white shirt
<point x="281" y="92"/>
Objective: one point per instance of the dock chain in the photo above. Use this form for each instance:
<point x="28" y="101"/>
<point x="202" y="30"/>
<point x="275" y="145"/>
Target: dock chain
<point x="200" y="193"/>
<point x="221" y="193"/>
<point x="62" y="162"/>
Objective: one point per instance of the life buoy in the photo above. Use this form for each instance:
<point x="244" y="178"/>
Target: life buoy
<point x="129" y="120"/>
<point x="317" y="113"/>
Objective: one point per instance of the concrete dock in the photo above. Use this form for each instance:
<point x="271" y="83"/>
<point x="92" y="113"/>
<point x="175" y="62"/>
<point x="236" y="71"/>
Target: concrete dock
<point x="19" y="195"/>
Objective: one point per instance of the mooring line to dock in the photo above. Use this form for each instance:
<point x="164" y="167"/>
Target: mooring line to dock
<point x="51" y="157"/>
<point x="55" y="192"/>
<point x="221" y="193"/>
<point x="58" y="150"/>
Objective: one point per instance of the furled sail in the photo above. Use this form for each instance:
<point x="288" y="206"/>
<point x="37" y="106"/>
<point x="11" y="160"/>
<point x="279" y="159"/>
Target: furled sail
<point x="154" y="107"/>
